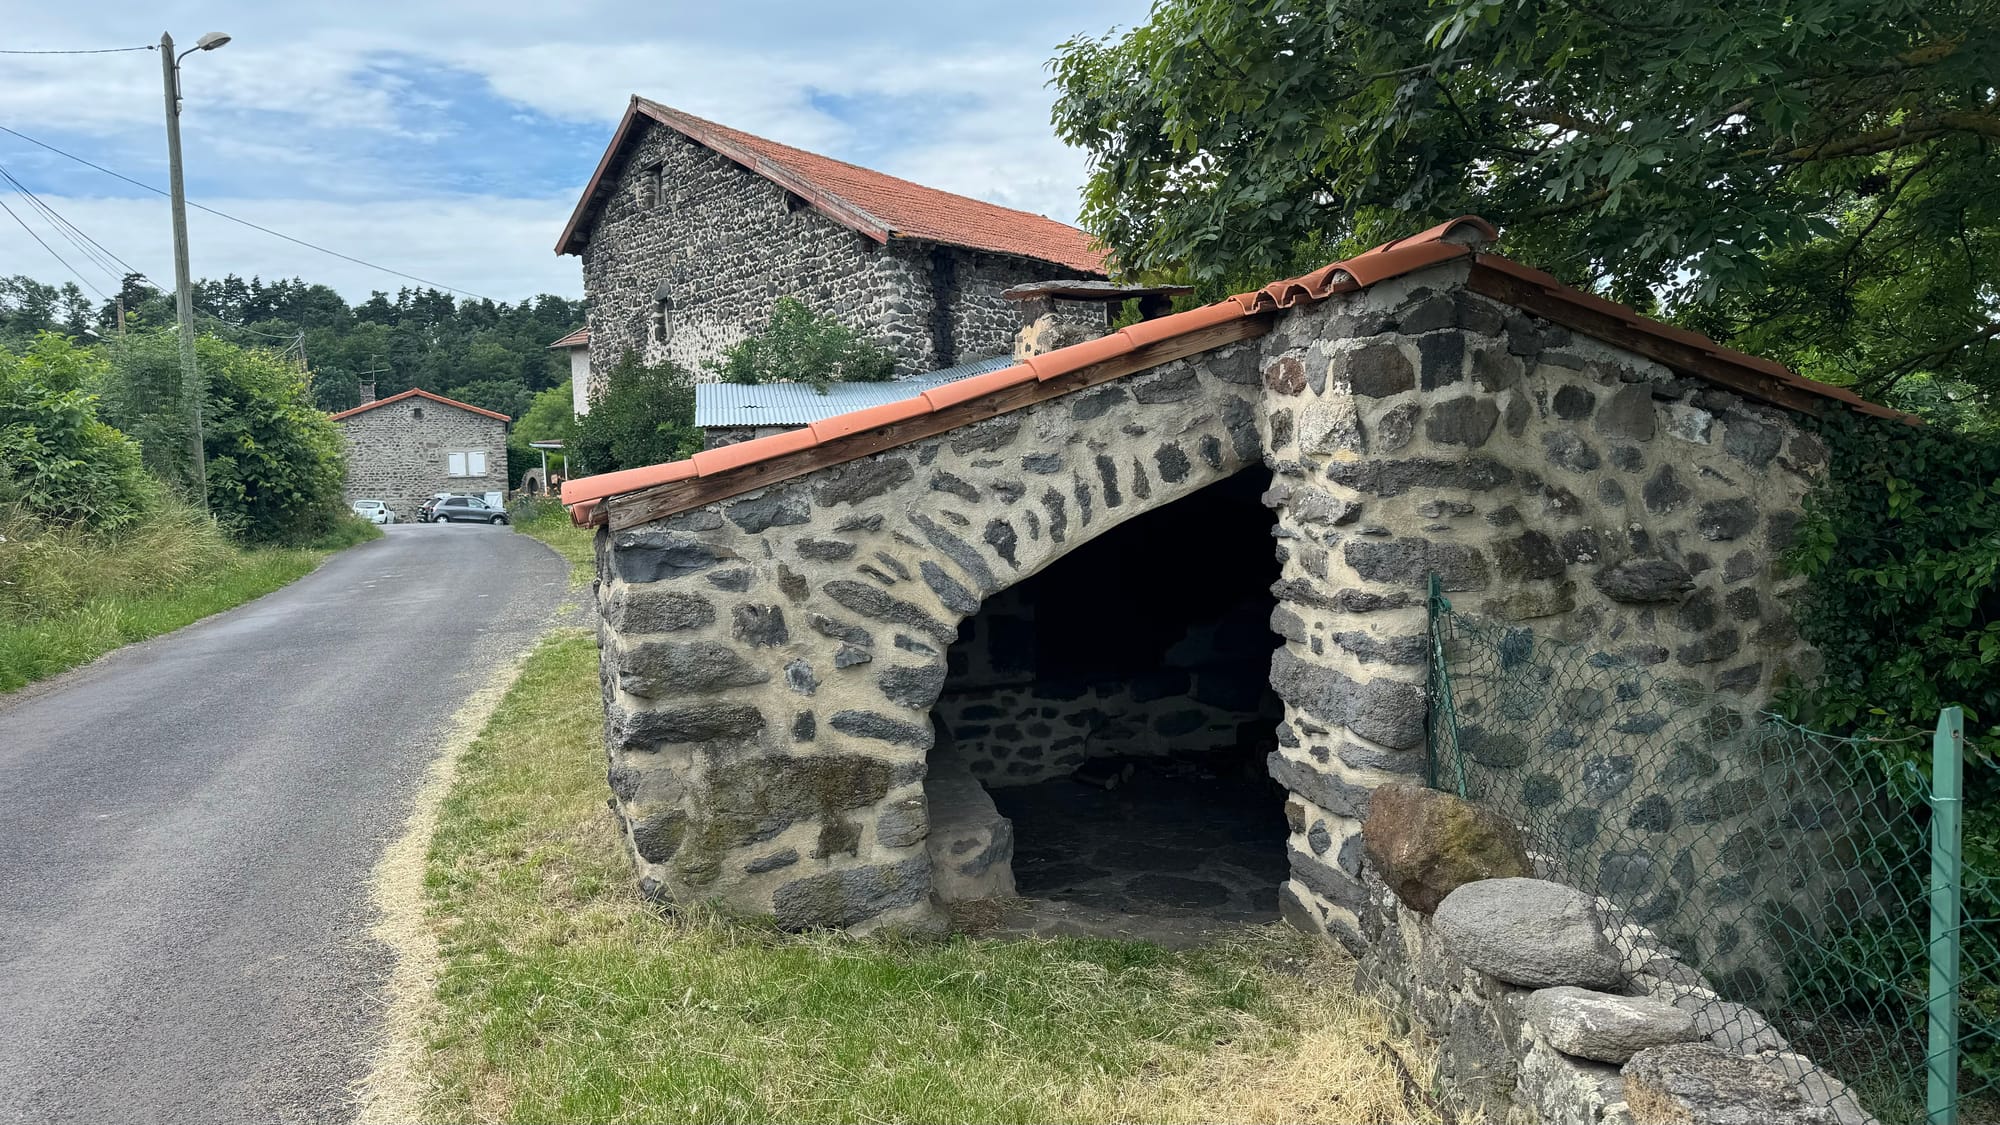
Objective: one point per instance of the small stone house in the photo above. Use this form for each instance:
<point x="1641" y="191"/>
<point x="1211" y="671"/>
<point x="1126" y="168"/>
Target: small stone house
<point x="691" y="231"/>
<point x="404" y="448"/>
<point x="833" y="658"/>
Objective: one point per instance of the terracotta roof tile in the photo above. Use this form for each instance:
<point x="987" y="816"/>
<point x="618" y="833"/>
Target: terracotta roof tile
<point x="1459" y="238"/>
<point x="979" y="386"/>
<point x="416" y="392"/>
<point x="725" y="457"/>
<point x="875" y="203"/>
<point x="576" y="339"/>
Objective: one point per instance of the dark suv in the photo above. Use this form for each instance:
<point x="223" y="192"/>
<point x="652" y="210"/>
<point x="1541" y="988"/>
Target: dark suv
<point x="457" y="509"/>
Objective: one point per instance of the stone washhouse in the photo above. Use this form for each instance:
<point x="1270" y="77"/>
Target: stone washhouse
<point x="831" y="657"/>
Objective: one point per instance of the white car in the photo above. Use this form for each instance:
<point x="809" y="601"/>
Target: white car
<point x="374" y="511"/>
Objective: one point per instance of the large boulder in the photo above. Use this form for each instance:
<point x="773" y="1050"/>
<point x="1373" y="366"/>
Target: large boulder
<point x="1427" y="844"/>
<point x="1528" y="932"/>
<point x="1698" y="1084"/>
<point x="1607" y="1028"/>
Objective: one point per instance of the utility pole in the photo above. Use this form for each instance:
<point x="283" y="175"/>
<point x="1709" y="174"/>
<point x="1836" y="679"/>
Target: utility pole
<point x="191" y="388"/>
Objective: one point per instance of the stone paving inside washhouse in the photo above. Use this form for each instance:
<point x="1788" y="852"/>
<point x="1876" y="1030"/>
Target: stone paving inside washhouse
<point x="1179" y="850"/>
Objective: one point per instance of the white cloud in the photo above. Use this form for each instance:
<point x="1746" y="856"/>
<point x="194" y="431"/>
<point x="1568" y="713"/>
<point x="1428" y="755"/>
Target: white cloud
<point x="501" y="248"/>
<point x="331" y="110"/>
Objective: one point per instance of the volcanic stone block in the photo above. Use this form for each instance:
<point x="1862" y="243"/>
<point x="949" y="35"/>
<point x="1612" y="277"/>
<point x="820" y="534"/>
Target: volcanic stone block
<point x="1427" y="844"/>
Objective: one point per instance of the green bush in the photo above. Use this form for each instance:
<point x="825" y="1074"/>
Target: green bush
<point x="644" y="417"/>
<point x="1901" y="552"/>
<point x="801" y="347"/>
<point x="275" y="461"/>
<point x="57" y="458"/>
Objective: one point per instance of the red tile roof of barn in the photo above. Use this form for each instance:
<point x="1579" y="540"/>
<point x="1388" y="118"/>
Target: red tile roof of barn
<point x="1494" y="276"/>
<point x="418" y="392"/>
<point x="576" y="339"/>
<point x="878" y="205"/>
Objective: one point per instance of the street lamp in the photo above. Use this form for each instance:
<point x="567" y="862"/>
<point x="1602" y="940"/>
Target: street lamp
<point x="170" y="65"/>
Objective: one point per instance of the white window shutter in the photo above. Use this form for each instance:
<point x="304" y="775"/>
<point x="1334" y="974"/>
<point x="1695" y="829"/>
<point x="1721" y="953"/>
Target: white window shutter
<point x="456" y="463"/>
<point x="478" y="458"/>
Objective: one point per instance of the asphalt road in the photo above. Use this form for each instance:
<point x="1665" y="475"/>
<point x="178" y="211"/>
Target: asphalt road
<point x="188" y="826"/>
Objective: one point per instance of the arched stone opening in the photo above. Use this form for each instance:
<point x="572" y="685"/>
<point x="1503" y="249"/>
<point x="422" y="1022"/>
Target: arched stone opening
<point x="1103" y="729"/>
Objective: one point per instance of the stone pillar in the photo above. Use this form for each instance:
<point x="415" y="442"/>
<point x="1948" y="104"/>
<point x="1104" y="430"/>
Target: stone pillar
<point x="1373" y="432"/>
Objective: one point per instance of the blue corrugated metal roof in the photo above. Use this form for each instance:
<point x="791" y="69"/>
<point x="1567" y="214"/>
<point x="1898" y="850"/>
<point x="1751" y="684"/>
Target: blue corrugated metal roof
<point x="796" y="404"/>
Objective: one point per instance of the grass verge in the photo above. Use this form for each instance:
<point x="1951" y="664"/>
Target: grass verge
<point x="549" y="522"/>
<point x="562" y="995"/>
<point x="67" y="599"/>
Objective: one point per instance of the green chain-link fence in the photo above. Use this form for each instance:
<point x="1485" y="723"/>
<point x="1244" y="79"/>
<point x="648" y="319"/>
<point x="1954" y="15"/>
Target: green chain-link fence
<point x="1793" y="869"/>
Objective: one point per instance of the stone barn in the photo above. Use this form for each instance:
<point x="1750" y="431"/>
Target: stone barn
<point x="404" y="448"/>
<point x="1136" y="626"/>
<point x="690" y="232"/>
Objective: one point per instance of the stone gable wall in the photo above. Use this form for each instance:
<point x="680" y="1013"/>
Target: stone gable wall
<point x="397" y="457"/>
<point x="1551" y="480"/>
<point x="770" y="661"/>
<point x="727" y="243"/>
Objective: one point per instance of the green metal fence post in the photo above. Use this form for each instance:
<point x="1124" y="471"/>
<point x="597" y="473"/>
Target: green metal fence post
<point x="1947" y="780"/>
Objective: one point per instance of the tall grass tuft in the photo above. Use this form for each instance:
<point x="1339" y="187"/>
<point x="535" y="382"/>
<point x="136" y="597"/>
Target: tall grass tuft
<point x="67" y="596"/>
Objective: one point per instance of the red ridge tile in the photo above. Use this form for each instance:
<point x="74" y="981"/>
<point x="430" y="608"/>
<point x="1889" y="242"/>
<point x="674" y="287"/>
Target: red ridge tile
<point x="722" y="458"/>
<point x="598" y="487"/>
<point x="854" y="421"/>
<point x="978" y="386"/>
<point x="1076" y="357"/>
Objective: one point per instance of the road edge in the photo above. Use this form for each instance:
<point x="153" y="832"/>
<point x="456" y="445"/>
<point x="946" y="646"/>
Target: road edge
<point x="393" y="1091"/>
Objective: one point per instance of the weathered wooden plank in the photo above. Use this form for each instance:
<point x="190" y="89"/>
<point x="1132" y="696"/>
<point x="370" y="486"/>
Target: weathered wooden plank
<point x="661" y="501"/>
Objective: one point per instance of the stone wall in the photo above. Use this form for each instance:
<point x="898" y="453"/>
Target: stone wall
<point x="1415" y="427"/>
<point x="722" y="244"/>
<point x="397" y="453"/>
<point x="1014" y="724"/>
<point x="769" y="661"/>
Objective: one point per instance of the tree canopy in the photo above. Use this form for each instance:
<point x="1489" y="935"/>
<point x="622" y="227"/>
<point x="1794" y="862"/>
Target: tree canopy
<point x="1813" y="180"/>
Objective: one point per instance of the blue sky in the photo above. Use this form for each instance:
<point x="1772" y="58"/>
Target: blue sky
<point x="450" y="140"/>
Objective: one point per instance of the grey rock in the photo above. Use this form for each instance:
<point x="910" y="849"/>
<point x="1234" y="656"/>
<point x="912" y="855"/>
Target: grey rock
<point x="1628" y="413"/>
<point x="1530" y="555"/>
<point x="868" y="601"/>
<point x="1326" y="790"/>
<point x="869" y="724"/>
<point x="759" y="626"/>
<point x="1395" y="477"/>
<point x="1377" y="370"/>
<point x="1607" y="1028"/>
<point x="776" y="508"/>
<point x="1723" y="520"/>
<point x="825" y="550"/>
<point x="735" y="580"/>
<point x="1409" y="562"/>
<point x="860" y="480"/>
<point x="657" y="668"/>
<point x="1528" y="932"/>
<point x="915" y="687"/>
<point x="1665" y="493"/>
<point x="1441" y="360"/>
<point x="1384" y="711"/>
<point x="648" y="609"/>
<point x="799" y="677"/>
<point x="1646" y="579"/>
<point x="644" y="731"/>
<point x="649" y="556"/>
<point x="1699" y="1084"/>
<point x="843" y="898"/>
<point x="949" y="590"/>
<point x="1394" y="429"/>
<point x="1467" y="421"/>
<point x="957" y="550"/>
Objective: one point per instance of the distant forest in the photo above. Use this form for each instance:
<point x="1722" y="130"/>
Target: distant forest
<point x="489" y="354"/>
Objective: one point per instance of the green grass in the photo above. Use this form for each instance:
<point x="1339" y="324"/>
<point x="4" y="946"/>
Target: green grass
<point x="67" y="599"/>
<point x="549" y="522"/>
<point x="563" y="995"/>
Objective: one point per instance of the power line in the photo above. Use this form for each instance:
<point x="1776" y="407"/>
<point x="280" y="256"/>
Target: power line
<point x="103" y="258"/>
<point x="52" y="251"/>
<point x="96" y="51"/>
<point x="246" y="222"/>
